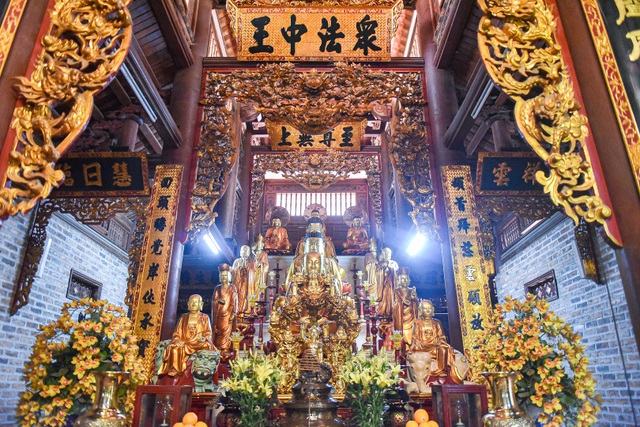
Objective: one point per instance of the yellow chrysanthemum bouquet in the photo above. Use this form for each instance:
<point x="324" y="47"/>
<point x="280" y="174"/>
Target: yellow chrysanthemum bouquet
<point x="89" y="336"/>
<point x="252" y="385"/>
<point x="525" y="336"/>
<point x="366" y="379"/>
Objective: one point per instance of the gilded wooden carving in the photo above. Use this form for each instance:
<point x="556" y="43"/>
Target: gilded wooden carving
<point x="87" y="211"/>
<point x="314" y="101"/>
<point x="518" y="44"/>
<point x="86" y="46"/>
<point x="315" y="171"/>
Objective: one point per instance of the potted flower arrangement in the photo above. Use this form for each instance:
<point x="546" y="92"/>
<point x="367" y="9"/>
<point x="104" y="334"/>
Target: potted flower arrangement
<point x="89" y="336"/>
<point x="252" y="385"/>
<point x="366" y="380"/>
<point x="553" y="379"/>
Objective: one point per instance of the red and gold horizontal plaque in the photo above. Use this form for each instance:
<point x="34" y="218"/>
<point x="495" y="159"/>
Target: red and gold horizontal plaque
<point x="155" y="257"/>
<point x="345" y="137"/>
<point x="469" y="265"/>
<point x="313" y="32"/>
<point x="103" y="175"/>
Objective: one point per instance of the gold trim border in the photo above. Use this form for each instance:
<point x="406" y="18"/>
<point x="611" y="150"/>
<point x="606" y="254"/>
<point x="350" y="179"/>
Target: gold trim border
<point x="479" y="267"/>
<point x="158" y="284"/>
<point x="615" y="86"/>
<point x="10" y="23"/>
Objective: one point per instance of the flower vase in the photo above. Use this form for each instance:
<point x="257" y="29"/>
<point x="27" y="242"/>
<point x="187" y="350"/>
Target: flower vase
<point x="105" y="411"/>
<point x="504" y="409"/>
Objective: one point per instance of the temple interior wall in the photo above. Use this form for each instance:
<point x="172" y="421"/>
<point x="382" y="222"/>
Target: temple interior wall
<point x="73" y="246"/>
<point x="598" y="312"/>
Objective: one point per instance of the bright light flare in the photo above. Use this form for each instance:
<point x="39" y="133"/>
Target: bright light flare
<point x="211" y="242"/>
<point x="416" y="245"/>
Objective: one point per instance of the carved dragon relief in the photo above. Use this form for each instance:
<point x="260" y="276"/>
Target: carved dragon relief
<point x="84" y="50"/>
<point x="519" y="48"/>
<point x="313" y="101"/>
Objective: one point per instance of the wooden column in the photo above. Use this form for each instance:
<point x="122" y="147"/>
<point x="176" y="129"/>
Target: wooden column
<point x="442" y="101"/>
<point x="245" y="184"/>
<point x="184" y="109"/>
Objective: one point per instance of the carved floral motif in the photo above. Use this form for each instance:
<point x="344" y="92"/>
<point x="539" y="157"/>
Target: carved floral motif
<point x="314" y="101"/>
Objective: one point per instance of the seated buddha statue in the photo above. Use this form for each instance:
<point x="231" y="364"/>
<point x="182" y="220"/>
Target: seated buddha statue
<point x="192" y="333"/>
<point x="429" y="337"/>
<point x="277" y="239"/>
<point x="357" y="238"/>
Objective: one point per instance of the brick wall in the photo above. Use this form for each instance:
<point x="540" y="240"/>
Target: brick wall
<point x="70" y="248"/>
<point x="598" y="312"/>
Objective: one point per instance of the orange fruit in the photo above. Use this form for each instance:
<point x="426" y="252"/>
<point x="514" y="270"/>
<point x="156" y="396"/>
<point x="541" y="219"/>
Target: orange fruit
<point x="421" y="416"/>
<point x="411" y="424"/>
<point x="178" y="425"/>
<point x="191" y="418"/>
<point x="201" y="424"/>
<point x="431" y="424"/>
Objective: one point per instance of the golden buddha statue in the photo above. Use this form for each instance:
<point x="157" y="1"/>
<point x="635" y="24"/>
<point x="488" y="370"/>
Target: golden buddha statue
<point x="193" y="333"/>
<point x="384" y="283"/>
<point x="405" y="306"/>
<point x="224" y="306"/>
<point x="242" y="276"/>
<point x="357" y="237"/>
<point x="262" y="266"/>
<point x="277" y="238"/>
<point x="429" y="337"/>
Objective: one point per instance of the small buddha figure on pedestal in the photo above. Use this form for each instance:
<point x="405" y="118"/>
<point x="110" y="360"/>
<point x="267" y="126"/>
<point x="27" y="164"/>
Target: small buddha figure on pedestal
<point x="357" y="238"/>
<point x="277" y="239"/>
<point x="428" y="337"/>
<point x="405" y="306"/>
<point x="224" y="305"/>
<point x="192" y="333"/>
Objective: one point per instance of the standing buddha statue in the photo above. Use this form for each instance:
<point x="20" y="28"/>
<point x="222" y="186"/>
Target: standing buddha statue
<point x="262" y="266"/>
<point x="224" y="306"/>
<point x="243" y="273"/>
<point x="405" y="306"/>
<point x="385" y="277"/>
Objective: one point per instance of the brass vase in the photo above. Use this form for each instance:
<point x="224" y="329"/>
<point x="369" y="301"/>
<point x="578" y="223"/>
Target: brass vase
<point x="105" y="411"/>
<point x="505" y="411"/>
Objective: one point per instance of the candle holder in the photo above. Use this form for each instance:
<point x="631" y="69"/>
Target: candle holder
<point x="236" y="338"/>
<point x="396" y="337"/>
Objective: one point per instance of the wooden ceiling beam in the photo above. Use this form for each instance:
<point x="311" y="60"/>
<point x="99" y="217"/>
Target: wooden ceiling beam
<point x="141" y="81"/>
<point x="455" y="21"/>
<point x="468" y="112"/>
<point x="174" y="31"/>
